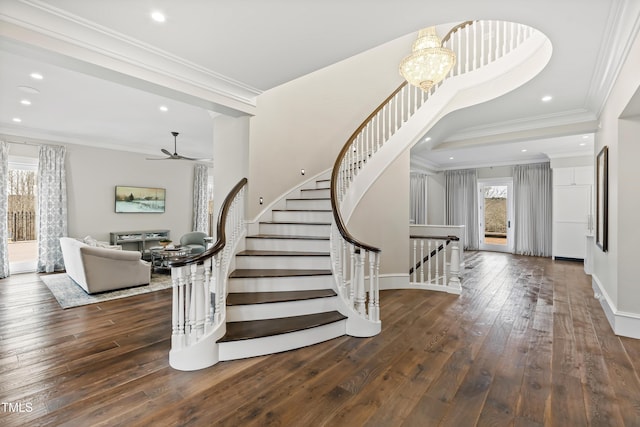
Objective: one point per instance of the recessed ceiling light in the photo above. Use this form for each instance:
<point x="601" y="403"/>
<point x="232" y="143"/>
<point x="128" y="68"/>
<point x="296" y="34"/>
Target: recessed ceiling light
<point x="158" y="16"/>
<point x="164" y="108"/>
<point x="25" y="102"/>
<point x="451" y="158"/>
<point x="585" y="136"/>
<point x="36" y="76"/>
<point x="547" y="98"/>
<point x="17" y="119"/>
<point x="29" y="89"/>
<point x="427" y="139"/>
<point x="524" y="150"/>
<point x="582" y="144"/>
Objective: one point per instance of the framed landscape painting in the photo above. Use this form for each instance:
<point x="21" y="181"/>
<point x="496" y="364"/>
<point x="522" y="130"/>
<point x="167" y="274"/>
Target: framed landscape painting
<point x="139" y="199"/>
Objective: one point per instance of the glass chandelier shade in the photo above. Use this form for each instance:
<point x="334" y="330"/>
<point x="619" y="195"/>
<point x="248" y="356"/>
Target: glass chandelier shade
<point x="429" y="62"/>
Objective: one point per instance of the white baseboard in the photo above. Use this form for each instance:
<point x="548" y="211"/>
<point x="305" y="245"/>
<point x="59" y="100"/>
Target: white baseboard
<point x="393" y="281"/>
<point x="622" y="323"/>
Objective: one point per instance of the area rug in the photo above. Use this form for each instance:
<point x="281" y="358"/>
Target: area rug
<point x="69" y="294"/>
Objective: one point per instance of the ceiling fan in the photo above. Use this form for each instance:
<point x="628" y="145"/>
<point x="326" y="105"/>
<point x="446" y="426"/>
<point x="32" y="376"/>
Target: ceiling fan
<point x="175" y="155"/>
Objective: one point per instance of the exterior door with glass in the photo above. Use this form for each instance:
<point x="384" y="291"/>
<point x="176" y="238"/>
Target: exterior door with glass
<point x="495" y="215"/>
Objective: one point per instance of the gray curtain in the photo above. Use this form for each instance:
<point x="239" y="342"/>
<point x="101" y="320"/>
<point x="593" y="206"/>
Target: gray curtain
<point x="532" y="189"/>
<point x="52" y="207"/>
<point x="461" y="200"/>
<point x="418" y="198"/>
<point x="200" y="198"/>
<point x="4" y="202"/>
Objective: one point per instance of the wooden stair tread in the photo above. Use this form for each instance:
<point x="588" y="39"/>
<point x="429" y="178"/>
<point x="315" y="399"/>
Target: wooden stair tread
<point x="237" y="331"/>
<point x="286" y="236"/>
<point x="301" y="210"/>
<point x="295" y="222"/>
<point x="246" y="298"/>
<point x="250" y="252"/>
<point x="276" y="272"/>
<point x="312" y="198"/>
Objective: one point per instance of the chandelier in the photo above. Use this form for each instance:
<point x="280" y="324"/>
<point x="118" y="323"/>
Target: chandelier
<point x="429" y="62"/>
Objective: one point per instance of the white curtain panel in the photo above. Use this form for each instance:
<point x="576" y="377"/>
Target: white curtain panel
<point x="418" y="198"/>
<point x="200" y="198"/>
<point x="4" y="202"/>
<point x="532" y="188"/>
<point x="52" y="207"/>
<point x="461" y="200"/>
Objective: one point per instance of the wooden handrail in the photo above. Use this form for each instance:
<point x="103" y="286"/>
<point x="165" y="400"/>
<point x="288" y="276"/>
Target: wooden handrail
<point x="221" y="240"/>
<point x="346" y="235"/>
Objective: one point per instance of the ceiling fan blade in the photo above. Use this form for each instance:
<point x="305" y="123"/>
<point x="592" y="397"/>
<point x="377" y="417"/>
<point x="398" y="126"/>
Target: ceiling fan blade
<point x="159" y="158"/>
<point x="167" y="152"/>
<point x="194" y="159"/>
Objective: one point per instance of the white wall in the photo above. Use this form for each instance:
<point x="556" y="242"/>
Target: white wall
<point x="615" y="271"/>
<point x="93" y="173"/>
<point x="381" y="218"/>
<point x="231" y="157"/>
<point x="304" y="123"/>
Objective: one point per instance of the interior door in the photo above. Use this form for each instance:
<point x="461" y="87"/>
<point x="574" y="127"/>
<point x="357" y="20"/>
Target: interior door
<point x="495" y="216"/>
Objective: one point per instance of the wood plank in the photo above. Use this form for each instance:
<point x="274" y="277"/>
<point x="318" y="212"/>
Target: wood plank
<point x="526" y="344"/>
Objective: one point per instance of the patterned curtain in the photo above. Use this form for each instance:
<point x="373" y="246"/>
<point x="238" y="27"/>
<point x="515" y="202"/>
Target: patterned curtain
<point x="461" y="200"/>
<point x="532" y="209"/>
<point x="52" y="208"/>
<point x="200" y="198"/>
<point x="4" y="202"/>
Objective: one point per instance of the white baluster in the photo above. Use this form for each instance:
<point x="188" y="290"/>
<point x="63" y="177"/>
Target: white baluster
<point x="467" y="48"/>
<point x="474" y="26"/>
<point x="444" y="263"/>
<point x="421" y="260"/>
<point x="482" y="35"/>
<point x="437" y="261"/>
<point x="177" y="330"/>
<point x="429" y="265"/>
<point x="415" y="260"/>
<point x="454" y="269"/>
<point x="359" y="302"/>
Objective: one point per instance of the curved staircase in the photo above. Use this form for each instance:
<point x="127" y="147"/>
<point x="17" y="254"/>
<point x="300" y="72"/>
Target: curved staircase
<point x="281" y="293"/>
<point x="302" y="278"/>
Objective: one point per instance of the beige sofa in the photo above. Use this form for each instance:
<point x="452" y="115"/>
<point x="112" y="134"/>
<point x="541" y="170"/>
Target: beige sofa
<point x="98" y="269"/>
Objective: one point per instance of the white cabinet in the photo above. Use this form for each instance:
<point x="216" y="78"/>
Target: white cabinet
<point x="572" y="199"/>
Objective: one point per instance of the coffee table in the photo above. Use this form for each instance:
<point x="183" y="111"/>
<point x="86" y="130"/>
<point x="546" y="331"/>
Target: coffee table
<point x="160" y="257"/>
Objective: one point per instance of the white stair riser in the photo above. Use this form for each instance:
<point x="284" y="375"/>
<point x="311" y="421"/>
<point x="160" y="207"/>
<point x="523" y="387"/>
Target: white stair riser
<point x="277" y="284"/>
<point x="237" y="313"/>
<point x="316" y="193"/>
<point x="319" y="230"/>
<point x="310" y="262"/>
<point x="302" y="245"/>
<point x="303" y="216"/>
<point x="278" y="343"/>
<point x="323" y="184"/>
<point x="315" y="204"/>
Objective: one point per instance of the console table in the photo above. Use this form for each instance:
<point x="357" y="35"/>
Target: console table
<point x="142" y="240"/>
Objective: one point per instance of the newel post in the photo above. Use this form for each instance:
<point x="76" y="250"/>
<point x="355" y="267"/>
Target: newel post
<point x="454" y="267"/>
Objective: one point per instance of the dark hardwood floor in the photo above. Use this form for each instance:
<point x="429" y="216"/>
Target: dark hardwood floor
<point x="526" y="344"/>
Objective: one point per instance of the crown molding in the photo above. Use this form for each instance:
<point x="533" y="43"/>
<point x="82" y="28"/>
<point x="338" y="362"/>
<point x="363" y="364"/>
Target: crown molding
<point x="530" y="132"/>
<point x="37" y="24"/>
<point x="623" y="24"/>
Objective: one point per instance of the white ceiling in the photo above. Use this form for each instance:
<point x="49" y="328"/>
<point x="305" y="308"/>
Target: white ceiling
<point x="250" y="46"/>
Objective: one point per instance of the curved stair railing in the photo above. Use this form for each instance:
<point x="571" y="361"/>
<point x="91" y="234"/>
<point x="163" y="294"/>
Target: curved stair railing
<point x="197" y="321"/>
<point x="476" y="44"/>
